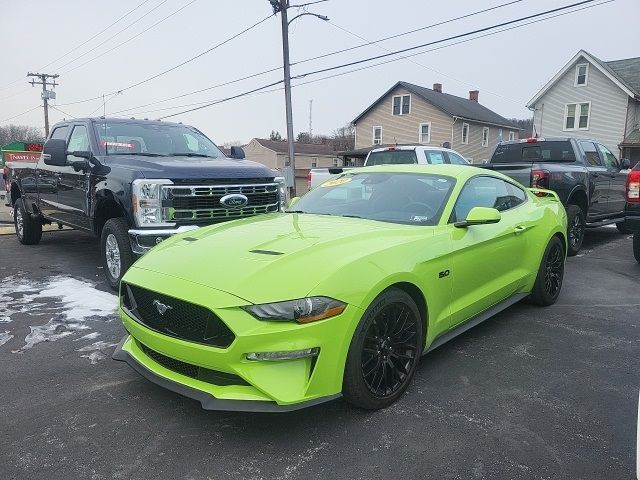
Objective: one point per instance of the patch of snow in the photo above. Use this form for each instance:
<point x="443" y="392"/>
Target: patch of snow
<point x="88" y="336"/>
<point x="95" y="357"/>
<point x="5" y="337"/>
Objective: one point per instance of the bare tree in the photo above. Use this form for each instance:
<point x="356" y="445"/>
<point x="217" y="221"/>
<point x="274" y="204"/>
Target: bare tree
<point x="20" y="133"/>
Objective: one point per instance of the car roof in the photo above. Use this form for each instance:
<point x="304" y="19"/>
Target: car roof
<point x="114" y="120"/>
<point x="548" y="139"/>
<point x="457" y="171"/>
<point x="412" y="147"/>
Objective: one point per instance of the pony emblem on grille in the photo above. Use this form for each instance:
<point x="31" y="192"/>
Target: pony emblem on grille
<point x="162" y="308"/>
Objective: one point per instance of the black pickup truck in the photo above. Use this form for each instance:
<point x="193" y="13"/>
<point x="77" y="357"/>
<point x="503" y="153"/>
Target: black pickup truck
<point x="587" y="177"/>
<point x="133" y="183"/>
<point x="632" y="210"/>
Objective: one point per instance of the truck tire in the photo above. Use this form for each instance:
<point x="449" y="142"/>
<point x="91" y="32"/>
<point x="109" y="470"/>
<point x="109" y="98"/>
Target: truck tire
<point x="115" y="250"/>
<point x="575" y="229"/>
<point x="28" y="230"/>
<point x="636" y="246"/>
<point x="622" y="229"/>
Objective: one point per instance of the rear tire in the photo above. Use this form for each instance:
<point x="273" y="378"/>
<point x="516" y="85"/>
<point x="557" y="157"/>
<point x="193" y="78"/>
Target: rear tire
<point x="384" y="352"/>
<point x="636" y="246"/>
<point x="622" y="229"/>
<point x="550" y="275"/>
<point x="28" y="230"/>
<point x="115" y="250"/>
<point x="575" y="229"/>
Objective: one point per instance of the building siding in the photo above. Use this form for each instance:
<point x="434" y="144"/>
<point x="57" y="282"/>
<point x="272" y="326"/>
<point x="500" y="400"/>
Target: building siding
<point x="633" y="116"/>
<point x="474" y="151"/>
<point x="608" y="107"/>
<point x="258" y="153"/>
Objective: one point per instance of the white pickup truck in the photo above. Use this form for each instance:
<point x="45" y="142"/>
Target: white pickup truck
<point x="400" y="154"/>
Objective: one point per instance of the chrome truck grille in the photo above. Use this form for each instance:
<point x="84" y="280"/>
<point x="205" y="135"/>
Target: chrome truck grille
<point x="202" y="203"/>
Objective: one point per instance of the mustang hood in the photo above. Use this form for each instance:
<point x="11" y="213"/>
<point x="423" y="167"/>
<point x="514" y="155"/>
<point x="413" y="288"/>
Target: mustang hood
<point x="273" y="257"/>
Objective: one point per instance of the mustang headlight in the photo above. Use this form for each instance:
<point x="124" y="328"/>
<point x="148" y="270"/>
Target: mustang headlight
<point x="303" y="310"/>
<point x="283" y="193"/>
<point x="146" y="199"/>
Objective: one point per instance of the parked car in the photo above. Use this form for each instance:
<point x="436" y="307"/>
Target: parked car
<point x="587" y="177"/>
<point x="134" y="183"/>
<point x="632" y="208"/>
<point x="342" y="294"/>
<point x="394" y="155"/>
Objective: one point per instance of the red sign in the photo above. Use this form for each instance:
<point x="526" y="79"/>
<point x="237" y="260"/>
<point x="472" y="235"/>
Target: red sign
<point x="21" y="157"/>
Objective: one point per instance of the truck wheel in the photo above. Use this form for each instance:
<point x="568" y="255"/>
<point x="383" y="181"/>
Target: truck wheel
<point x="622" y="229"/>
<point x="115" y="250"/>
<point x="575" y="229"/>
<point x="636" y="246"/>
<point x="28" y="230"/>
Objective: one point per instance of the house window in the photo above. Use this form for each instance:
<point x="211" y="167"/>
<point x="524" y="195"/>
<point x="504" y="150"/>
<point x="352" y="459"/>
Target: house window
<point x="401" y="105"/>
<point x="485" y="136"/>
<point x="465" y="133"/>
<point x="582" y="72"/>
<point x="424" y="133"/>
<point x="512" y="136"/>
<point x="576" y="116"/>
<point x="335" y="162"/>
<point x="314" y="162"/>
<point x="377" y="135"/>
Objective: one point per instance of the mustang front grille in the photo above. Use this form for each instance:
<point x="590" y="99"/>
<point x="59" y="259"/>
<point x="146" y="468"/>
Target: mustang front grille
<point x="176" y="318"/>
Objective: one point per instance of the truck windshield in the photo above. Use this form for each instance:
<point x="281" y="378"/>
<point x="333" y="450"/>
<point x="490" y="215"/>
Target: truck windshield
<point x="415" y="199"/>
<point x="543" y="151"/>
<point x="391" y="157"/>
<point x="123" y="138"/>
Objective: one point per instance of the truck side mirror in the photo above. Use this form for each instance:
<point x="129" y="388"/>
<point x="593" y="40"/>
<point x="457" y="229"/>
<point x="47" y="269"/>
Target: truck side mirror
<point x="625" y="164"/>
<point x="237" y="153"/>
<point x="55" y="152"/>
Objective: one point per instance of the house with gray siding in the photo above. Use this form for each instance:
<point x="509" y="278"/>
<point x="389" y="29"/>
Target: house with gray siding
<point x="592" y="98"/>
<point x="411" y="114"/>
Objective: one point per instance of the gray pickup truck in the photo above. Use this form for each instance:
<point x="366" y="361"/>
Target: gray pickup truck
<point x="587" y="177"/>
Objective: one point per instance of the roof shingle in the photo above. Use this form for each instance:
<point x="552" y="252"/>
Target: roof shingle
<point x="301" y="148"/>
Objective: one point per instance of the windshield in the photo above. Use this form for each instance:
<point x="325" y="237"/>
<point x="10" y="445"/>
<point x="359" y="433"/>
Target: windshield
<point x="544" y="151"/>
<point x="409" y="198"/>
<point x="121" y="138"/>
<point x="392" y="157"/>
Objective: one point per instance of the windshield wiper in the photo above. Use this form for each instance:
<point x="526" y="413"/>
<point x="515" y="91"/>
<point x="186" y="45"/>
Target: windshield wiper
<point x="351" y="216"/>
<point x="142" y="154"/>
<point x="191" y="154"/>
<point x="295" y="211"/>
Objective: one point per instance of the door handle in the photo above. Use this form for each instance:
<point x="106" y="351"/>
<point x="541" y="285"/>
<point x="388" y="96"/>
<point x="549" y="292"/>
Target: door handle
<point x="519" y="229"/>
<point x="595" y="175"/>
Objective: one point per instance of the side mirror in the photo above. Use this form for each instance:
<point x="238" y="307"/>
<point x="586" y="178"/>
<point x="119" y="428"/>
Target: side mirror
<point x="625" y="164"/>
<point x="293" y="201"/>
<point x="55" y="152"/>
<point x="237" y="153"/>
<point x="86" y="154"/>
<point x="479" y="216"/>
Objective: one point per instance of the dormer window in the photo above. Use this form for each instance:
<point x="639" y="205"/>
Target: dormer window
<point x="582" y="72"/>
<point x="401" y="105"/>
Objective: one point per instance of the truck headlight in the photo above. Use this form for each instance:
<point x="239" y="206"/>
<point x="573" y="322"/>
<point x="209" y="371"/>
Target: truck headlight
<point x="303" y="310"/>
<point x="283" y="193"/>
<point x="146" y="200"/>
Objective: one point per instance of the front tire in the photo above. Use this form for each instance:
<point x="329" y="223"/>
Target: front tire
<point x="28" y="230"/>
<point x="636" y="246"/>
<point x="550" y="275"/>
<point x="575" y="229"/>
<point x="384" y="352"/>
<point x="622" y="229"/>
<point x="115" y="250"/>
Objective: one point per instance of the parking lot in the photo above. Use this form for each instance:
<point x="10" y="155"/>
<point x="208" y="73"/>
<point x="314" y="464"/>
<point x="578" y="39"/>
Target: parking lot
<point x="532" y="393"/>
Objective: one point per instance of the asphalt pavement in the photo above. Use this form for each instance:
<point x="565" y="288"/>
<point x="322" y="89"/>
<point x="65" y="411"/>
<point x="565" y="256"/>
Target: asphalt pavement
<point x="534" y="393"/>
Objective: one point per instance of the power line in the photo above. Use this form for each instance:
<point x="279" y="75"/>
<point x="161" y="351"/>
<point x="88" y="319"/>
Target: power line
<point x="62" y="111"/>
<point x="270" y="70"/>
<point x="536" y="19"/>
<point x="20" y="114"/>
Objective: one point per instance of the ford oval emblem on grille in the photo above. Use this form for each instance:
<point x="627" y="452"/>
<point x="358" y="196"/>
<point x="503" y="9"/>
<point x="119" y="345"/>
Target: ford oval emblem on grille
<point x="234" y="200"/>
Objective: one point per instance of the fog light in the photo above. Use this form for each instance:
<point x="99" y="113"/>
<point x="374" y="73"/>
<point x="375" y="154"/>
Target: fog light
<point x="290" y="355"/>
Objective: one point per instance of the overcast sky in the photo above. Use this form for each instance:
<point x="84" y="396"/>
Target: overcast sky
<point x="508" y="68"/>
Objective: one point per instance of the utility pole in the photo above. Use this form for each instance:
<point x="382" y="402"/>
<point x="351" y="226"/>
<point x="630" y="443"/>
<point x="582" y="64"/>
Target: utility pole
<point x="281" y="7"/>
<point x="46" y="94"/>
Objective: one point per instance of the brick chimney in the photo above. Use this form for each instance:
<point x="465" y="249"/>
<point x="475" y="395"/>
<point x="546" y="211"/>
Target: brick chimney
<point x="437" y="87"/>
<point x="473" y="95"/>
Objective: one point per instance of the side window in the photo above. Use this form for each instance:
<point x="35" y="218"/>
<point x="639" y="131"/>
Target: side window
<point x="487" y="192"/>
<point x="591" y="154"/>
<point x="79" y="139"/>
<point x="456" y="159"/>
<point x="609" y="159"/>
<point x="434" y="157"/>
<point x="60" y="133"/>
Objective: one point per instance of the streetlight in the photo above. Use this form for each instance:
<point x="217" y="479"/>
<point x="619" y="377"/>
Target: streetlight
<point x="281" y="6"/>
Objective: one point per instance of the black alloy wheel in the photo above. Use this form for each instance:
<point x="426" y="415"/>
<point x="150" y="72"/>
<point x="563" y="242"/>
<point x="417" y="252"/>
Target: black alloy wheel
<point x="550" y="274"/>
<point x="575" y="229"/>
<point x="384" y="352"/>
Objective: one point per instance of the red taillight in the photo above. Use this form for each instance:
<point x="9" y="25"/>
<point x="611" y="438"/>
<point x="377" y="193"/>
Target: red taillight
<point x="309" y="180"/>
<point x="391" y="149"/>
<point x="540" y="178"/>
<point x="633" y="186"/>
<point x="532" y="140"/>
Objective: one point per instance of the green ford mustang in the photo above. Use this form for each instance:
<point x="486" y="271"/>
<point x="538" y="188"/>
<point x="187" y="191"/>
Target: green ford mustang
<point x="342" y="294"/>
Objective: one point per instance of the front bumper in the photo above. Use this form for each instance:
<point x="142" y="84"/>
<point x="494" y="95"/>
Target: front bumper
<point x="632" y="221"/>
<point x="143" y="240"/>
<point x="264" y="385"/>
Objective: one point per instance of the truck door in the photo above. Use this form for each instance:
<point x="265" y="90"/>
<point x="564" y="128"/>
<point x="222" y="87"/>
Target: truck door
<point x="599" y="181"/>
<point x="48" y="177"/>
<point x="616" y="197"/>
<point x="73" y="185"/>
